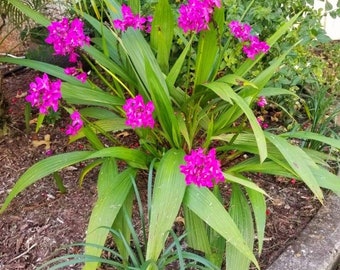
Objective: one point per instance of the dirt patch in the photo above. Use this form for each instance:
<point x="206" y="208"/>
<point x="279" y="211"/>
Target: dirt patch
<point x="41" y="219"/>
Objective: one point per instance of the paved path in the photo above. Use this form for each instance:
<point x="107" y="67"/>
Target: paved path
<point x="318" y="246"/>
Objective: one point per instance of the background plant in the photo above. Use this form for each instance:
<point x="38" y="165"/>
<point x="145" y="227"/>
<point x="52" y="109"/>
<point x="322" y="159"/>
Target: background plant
<point x="210" y="109"/>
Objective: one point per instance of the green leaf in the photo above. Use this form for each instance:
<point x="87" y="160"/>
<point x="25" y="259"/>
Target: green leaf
<point x="92" y="138"/>
<point x="254" y="165"/>
<point x="133" y="157"/>
<point x="233" y="79"/>
<point x="241" y="103"/>
<point x="204" y="203"/>
<point x="196" y="229"/>
<point x="208" y="49"/>
<point x="77" y="94"/>
<point x="43" y="168"/>
<point x="163" y="106"/>
<point x="305" y="135"/>
<point x="50" y="69"/>
<point x="113" y="189"/>
<point x="326" y="179"/>
<point x="162" y="32"/>
<point x="176" y="68"/>
<point x="258" y="203"/>
<point x="121" y="225"/>
<point x="168" y="192"/>
<point x="274" y="91"/>
<point x="98" y="113"/>
<point x="35" y="15"/>
<point x="87" y="169"/>
<point x="299" y="161"/>
<point x="110" y="64"/>
<point x="241" y="214"/>
<point x="243" y="182"/>
<point x="105" y="125"/>
<point x="220" y="89"/>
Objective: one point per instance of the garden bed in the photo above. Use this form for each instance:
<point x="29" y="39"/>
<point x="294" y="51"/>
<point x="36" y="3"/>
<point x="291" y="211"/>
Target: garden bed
<point x="41" y="219"/>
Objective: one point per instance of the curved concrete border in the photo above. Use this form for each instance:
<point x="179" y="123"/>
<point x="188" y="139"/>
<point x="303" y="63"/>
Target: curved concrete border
<point x="318" y="246"/>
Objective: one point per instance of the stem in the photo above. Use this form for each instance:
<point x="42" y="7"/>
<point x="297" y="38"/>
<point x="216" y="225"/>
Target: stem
<point x="59" y="182"/>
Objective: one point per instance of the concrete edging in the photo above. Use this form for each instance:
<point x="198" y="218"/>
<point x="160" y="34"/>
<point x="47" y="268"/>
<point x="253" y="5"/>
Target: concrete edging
<point x="318" y="246"/>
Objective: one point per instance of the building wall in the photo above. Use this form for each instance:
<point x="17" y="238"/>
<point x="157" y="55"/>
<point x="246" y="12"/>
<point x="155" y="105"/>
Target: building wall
<point x="332" y="26"/>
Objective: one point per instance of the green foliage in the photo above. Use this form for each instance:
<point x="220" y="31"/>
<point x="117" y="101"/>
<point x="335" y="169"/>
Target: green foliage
<point x="171" y="254"/>
<point x="16" y="16"/>
<point x="199" y="102"/>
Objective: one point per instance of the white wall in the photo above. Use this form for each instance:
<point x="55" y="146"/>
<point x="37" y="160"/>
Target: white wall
<point x="332" y="26"/>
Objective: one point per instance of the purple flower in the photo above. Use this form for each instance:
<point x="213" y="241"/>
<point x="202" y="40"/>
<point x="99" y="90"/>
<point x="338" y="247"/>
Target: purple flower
<point x="132" y="20"/>
<point x="261" y="122"/>
<point x="139" y="114"/>
<point x="261" y="102"/>
<point x="239" y="30"/>
<point x="255" y="47"/>
<point x="196" y="15"/>
<point x="66" y="37"/>
<point x="76" y="72"/>
<point x="82" y="77"/>
<point x="44" y="94"/>
<point x="76" y="125"/>
<point x="202" y="170"/>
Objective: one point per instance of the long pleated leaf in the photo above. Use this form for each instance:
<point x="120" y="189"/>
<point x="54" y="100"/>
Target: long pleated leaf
<point x="113" y="189"/>
<point x="305" y="135"/>
<point x="258" y="203"/>
<point x="162" y="32"/>
<point x="204" y="203"/>
<point x="326" y="179"/>
<point x="254" y="165"/>
<point x="79" y="94"/>
<point x="50" y="69"/>
<point x="197" y="237"/>
<point x="104" y="125"/>
<point x="33" y="14"/>
<point x="177" y="67"/>
<point x="241" y="214"/>
<point x="133" y="157"/>
<point x="43" y="168"/>
<point x="244" y="107"/>
<point x="164" y="109"/>
<point x="208" y="49"/>
<point x="299" y="161"/>
<point x="243" y="182"/>
<point x="168" y="192"/>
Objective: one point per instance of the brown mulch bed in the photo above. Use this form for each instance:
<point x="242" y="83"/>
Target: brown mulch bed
<point x="41" y="219"/>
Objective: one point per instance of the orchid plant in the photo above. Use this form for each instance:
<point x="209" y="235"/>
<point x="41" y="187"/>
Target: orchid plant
<point x="193" y="121"/>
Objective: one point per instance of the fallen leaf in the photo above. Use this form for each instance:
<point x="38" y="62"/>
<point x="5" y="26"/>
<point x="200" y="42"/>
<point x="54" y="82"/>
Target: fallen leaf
<point x="46" y="141"/>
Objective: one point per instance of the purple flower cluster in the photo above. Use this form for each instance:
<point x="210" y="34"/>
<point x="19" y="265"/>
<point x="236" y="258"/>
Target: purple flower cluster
<point x="66" y="36"/>
<point x="132" y="20"/>
<point x="76" y="72"/>
<point x="239" y="30"/>
<point x="44" y="94"/>
<point x="253" y="45"/>
<point x="76" y="125"/>
<point x="196" y="15"/>
<point x="202" y="170"/>
<point x="261" y="122"/>
<point x="261" y="102"/>
<point x="139" y="114"/>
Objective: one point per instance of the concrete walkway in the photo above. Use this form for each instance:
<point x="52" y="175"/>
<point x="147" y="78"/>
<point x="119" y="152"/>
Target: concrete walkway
<point x="318" y="246"/>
